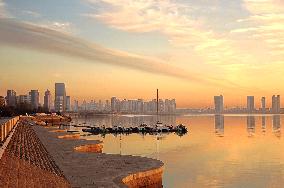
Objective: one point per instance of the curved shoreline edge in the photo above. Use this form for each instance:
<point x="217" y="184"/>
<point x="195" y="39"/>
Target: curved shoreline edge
<point x="90" y="168"/>
<point x="150" y="179"/>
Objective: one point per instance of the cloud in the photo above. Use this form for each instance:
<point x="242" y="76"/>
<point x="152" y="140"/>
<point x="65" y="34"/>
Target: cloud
<point x="3" y="12"/>
<point x="26" y="35"/>
<point x="265" y="24"/>
<point x="31" y="13"/>
<point x="167" y="17"/>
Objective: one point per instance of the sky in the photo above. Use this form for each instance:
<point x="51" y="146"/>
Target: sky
<point x="191" y="50"/>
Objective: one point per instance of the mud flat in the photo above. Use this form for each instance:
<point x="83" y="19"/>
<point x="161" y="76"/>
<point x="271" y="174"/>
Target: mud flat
<point x="94" y="169"/>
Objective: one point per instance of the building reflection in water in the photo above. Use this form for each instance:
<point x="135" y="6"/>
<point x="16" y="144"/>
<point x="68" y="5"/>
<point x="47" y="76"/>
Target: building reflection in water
<point x="219" y="125"/>
<point x="276" y="125"/>
<point x="250" y="125"/>
<point x="263" y="123"/>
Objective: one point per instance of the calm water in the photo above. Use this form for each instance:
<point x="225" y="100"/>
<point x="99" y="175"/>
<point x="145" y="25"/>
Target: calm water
<point x="219" y="151"/>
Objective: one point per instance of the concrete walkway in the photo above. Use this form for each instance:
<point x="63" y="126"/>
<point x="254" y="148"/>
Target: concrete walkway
<point x="92" y="169"/>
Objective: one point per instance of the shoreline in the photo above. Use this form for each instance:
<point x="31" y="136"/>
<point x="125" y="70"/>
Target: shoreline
<point x="95" y="169"/>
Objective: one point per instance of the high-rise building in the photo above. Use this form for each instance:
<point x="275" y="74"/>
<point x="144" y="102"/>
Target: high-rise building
<point x="24" y="99"/>
<point x="263" y="107"/>
<point x="34" y="99"/>
<point x="250" y="104"/>
<point x="11" y="98"/>
<point x="76" y="106"/>
<point x="47" y="100"/>
<point x="60" y="97"/>
<point x="219" y="104"/>
<point x="275" y="104"/>
<point x="68" y="103"/>
<point x="113" y="104"/>
<point x="2" y="101"/>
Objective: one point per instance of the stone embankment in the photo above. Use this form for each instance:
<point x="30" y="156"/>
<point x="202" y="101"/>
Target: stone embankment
<point x="26" y="163"/>
<point x="36" y="156"/>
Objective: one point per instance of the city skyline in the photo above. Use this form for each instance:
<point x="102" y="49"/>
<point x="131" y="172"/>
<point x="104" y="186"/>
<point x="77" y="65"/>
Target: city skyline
<point x="234" y="48"/>
<point x="61" y="102"/>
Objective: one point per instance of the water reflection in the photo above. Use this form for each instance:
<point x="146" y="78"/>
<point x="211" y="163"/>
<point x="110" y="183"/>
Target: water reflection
<point x="276" y="124"/>
<point x="125" y="120"/>
<point x="219" y="125"/>
<point x="263" y="124"/>
<point x="250" y="125"/>
<point x="199" y="159"/>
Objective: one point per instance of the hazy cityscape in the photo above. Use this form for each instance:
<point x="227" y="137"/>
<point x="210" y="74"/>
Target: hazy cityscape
<point x="141" y="93"/>
<point x="60" y="102"/>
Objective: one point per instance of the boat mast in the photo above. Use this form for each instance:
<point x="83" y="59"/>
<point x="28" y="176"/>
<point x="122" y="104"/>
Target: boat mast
<point x="157" y="104"/>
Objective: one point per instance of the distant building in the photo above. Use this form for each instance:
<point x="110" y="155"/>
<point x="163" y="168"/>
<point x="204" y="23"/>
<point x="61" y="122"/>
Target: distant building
<point x="76" y="106"/>
<point x="60" y="97"/>
<point x="24" y="99"/>
<point x="275" y="109"/>
<point x="263" y="105"/>
<point x="34" y="99"/>
<point x="68" y="103"/>
<point x="113" y="104"/>
<point x="11" y="98"/>
<point x="2" y="101"/>
<point x="47" y="103"/>
<point x="219" y="104"/>
<point x="250" y="104"/>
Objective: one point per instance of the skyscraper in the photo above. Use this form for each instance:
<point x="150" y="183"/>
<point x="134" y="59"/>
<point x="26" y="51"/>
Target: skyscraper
<point x="47" y="100"/>
<point x="263" y="108"/>
<point x="11" y="98"/>
<point x="219" y="104"/>
<point x="250" y="104"/>
<point x="275" y="104"/>
<point x="68" y="103"/>
<point x="34" y="99"/>
<point x="60" y="97"/>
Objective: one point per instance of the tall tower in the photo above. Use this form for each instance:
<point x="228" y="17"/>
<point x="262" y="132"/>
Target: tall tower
<point x="11" y="98"/>
<point x="263" y="108"/>
<point x="47" y="100"/>
<point x="60" y="97"/>
<point x="219" y="104"/>
<point x="250" y="104"/>
<point x="34" y="99"/>
<point x="275" y="104"/>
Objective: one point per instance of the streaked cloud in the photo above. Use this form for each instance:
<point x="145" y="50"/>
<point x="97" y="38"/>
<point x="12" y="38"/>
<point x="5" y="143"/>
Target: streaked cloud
<point x="31" y="13"/>
<point x="26" y="35"/>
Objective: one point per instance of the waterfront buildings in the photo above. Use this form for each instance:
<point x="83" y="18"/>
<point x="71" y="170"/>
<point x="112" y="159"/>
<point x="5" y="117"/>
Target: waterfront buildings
<point x="68" y="104"/>
<point x="60" y="97"/>
<point x="34" y="99"/>
<point x="137" y="106"/>
<point x="263" y="107"/>
<point x="11" y="98"/>
<point x="219" y="104"/>
<point x="47" y="104"/>
<point x="250" y="104"/>
<point x="24" y="99"/>
<point x="275" y="109"/>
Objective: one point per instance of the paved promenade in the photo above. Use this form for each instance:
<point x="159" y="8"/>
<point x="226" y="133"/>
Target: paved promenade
<point x="94" y="169"/>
